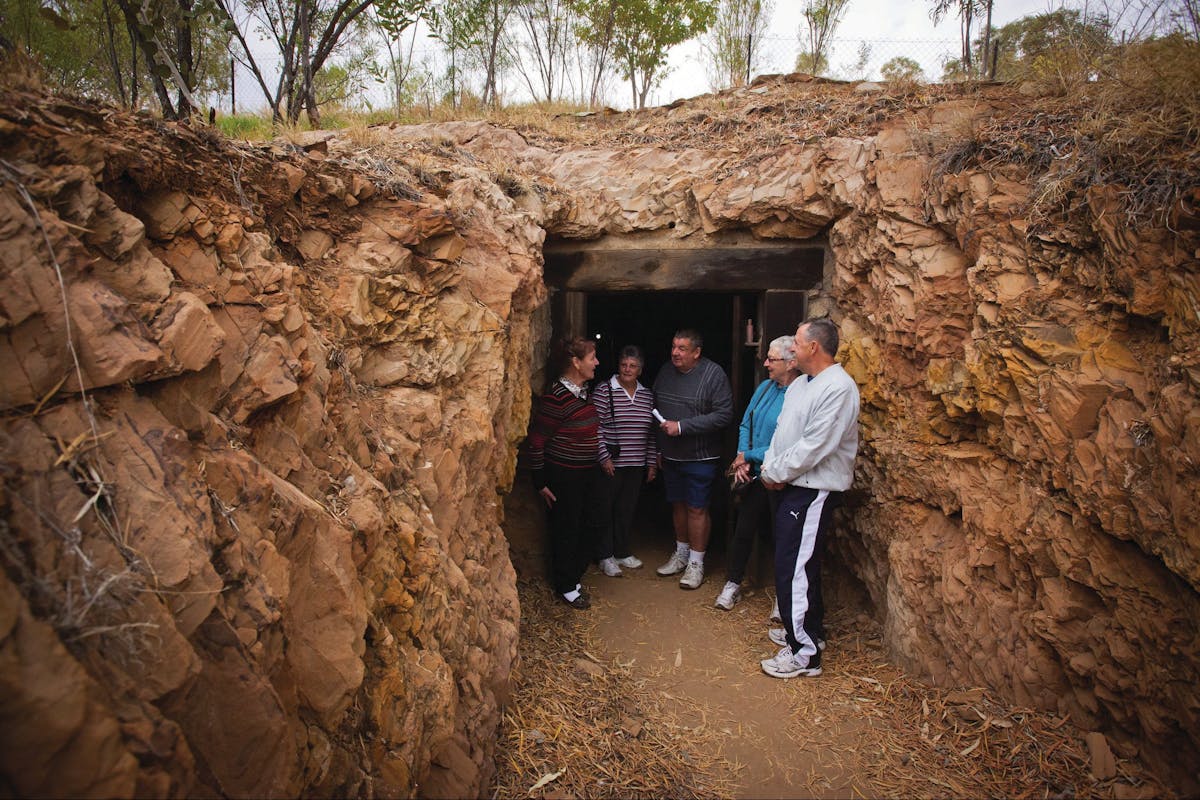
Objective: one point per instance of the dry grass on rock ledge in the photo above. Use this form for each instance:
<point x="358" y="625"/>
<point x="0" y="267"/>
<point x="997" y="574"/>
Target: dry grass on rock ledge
<point x="586" y="725"/>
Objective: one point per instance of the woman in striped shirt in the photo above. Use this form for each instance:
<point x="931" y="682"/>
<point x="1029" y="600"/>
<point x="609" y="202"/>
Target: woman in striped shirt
<point x="624" y="406"/>
<point x="565" y="455"/>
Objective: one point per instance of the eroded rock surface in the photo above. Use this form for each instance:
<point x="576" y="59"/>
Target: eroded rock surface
<point x="1027" y="504"/>
<point x="264" y="556"/>
<point x="250" y="533"/>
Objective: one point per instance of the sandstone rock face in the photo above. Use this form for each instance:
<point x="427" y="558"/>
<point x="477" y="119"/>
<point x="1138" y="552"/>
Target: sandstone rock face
<point x="252" y="445"/>
<point x="257" y="408"/>
<point x="1027" y="505"/>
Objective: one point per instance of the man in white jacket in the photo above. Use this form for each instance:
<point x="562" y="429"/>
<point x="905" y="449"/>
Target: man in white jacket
<point x="811" y="461"/>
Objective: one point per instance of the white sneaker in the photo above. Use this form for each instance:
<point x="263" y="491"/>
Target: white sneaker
<point x="693" y="576"/>
<point x="779" y="637"/>
<point x="675" y="564"/>
<point x="785" y="665"/>
<point x="775" y="611"/>
<point x="630" y="562"/>
<point x="610" y="568"/>
<point x="729" y="596"/>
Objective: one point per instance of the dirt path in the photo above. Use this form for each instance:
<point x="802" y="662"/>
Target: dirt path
<point x="653" y="692"/>
<point x="706" y="660"/>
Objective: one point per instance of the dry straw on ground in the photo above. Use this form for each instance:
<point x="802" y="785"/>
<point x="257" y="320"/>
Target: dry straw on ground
<point x="581" y="724"/>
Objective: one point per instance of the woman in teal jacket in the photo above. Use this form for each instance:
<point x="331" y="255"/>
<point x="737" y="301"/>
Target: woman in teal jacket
<point x="754" y="437"/>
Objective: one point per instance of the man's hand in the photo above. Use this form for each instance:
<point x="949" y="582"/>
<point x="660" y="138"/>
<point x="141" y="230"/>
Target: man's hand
<point x="670" y="427"/>
<point x="772" y="485"/>
<point x="548" y="496"/>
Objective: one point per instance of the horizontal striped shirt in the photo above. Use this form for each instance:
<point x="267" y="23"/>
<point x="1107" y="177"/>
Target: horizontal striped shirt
<point x="565" y="433"/>
<point x="701" y="401"/>
<point x="627" y="421"/>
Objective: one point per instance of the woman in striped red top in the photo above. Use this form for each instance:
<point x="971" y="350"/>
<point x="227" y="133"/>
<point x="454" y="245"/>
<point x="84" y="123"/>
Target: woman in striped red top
<point x="565" y="455"/>
<point x="624" y="406"/>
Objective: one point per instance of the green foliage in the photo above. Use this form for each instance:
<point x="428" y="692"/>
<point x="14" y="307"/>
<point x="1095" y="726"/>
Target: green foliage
<point x="644" y="30"/>
<point x="251" y="127"/>
<point x="90" y="47"/>
<point x="735" y="41"/>
<point x="902" y="68"/>
<point x="821" y="19"/>
<point x="1045" y="47"/>
<point x="811" y="64"/>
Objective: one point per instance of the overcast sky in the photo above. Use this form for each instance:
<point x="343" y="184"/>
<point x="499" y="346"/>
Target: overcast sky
<point x="889" y="27"/>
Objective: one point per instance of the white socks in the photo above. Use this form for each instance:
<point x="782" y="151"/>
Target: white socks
<point x="696" y="557"/>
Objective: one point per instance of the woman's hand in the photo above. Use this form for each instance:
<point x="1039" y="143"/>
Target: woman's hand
<point x="651" y="473"/>
<point x="548" y="496"/>
<point x="608" y="468"/>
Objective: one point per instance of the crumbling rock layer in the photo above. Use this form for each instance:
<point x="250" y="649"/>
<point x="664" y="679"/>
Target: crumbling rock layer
<point x="1026" y="511"/>
<point x="250" y="531"/>
<point x="258" y="405"/>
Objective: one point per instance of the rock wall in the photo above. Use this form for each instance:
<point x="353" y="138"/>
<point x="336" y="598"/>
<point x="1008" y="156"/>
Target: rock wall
<point x="1027" y="506"/>
<point x="258" y="406"/>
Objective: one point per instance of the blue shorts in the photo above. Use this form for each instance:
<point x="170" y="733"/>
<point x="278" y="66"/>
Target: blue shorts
<point x="689" y="482"/>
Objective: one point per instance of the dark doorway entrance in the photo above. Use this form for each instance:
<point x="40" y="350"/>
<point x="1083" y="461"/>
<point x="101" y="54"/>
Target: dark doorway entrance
<point x="650" y="320"/>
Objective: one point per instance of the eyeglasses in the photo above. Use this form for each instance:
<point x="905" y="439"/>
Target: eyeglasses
<point x="775" y="359"/>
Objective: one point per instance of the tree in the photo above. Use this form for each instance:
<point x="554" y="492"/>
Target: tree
<point x="393" y="21"/>
<point x="811" y="64"/>
<point x="457" y="24"/>
<point x="596" y="28"/>
<point x="821" y="19"/>
<point x="1035" y="46"/>
<point x="119" y="49"/>
<point x="547" y="26"/>
<point x="646" y="29"/>
<point x="306" y="34"/>
<point x="902" y="68"/>
<point x="490" y="50"/>
<point x="734" y="44"/>
<point x="967" y="11"/>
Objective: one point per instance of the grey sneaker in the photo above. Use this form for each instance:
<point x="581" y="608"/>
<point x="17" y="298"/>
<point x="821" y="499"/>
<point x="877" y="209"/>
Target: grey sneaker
<point x="693" y="576"/>
<point x="610" y="568"/>
<point x="630" y="562"/>
<point x="675" y="564"/>
<point x="729" y="596"/>
<point x="785" y="665"/>
<point x="779" y="637"/>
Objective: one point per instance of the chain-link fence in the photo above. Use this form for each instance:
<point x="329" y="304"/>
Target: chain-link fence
<point x="860" y="59"/>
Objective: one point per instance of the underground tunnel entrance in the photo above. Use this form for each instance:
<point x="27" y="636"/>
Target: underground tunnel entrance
<point x="738" y="292"/>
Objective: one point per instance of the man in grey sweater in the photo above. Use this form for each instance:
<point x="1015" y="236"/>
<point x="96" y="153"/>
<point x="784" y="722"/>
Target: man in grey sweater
<point x="695" y="402"/>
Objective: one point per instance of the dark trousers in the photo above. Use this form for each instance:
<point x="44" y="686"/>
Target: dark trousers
<point x="755" y="517"/>
<point x="624" y="487"/>
<point x="578" y="519"/>
<point x="801" y="525"/>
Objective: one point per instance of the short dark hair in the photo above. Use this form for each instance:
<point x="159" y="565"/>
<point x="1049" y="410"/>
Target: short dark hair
<point x="564" y="349"/>
<point x="824" y="333"/>
<point x="632" y="351"/>
<point x="692" y="335"/>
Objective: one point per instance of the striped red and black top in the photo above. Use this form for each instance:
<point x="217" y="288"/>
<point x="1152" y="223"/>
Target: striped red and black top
<point x="565" y="433"/>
